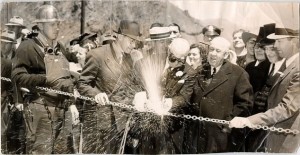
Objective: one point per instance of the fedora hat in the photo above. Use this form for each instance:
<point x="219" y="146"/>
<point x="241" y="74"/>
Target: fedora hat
<point x="283" y="33"/>
<point x="16" y="21"/>
<point x="246" y="36"/>
<point x="159" y="33"/>
<point x="8" y="36"/>
<point x="268" y="29"/>
<point x="130" y="29"/>
<point x="211" y="30"/>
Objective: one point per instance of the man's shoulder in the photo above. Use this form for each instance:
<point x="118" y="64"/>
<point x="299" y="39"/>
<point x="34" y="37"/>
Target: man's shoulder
<point x="234" y="68"/>
<point x="100" y="51"/>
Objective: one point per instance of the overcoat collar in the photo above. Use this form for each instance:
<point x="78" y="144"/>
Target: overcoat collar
<point x="220" y="77"/>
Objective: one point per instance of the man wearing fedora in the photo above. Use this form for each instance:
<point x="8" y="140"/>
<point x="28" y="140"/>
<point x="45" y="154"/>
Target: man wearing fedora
<point x="283" y="99"/>
<point x="16" y="24"/>
<point x="46" y="122"/>
<point x="108" y="76"/>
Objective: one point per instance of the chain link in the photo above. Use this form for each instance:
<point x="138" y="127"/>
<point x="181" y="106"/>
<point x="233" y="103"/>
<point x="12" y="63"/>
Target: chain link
<point x="130" y="107"/>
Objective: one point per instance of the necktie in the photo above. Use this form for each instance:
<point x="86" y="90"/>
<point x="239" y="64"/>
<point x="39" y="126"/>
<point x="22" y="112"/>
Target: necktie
<point x="272" y="70"/>
<point x="214" y="72"/>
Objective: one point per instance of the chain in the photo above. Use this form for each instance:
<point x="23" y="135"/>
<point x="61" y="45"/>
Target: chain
<point x="5" y="79"/>
<point x="130" y="107"/>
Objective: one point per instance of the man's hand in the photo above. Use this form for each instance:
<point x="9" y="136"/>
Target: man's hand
<point x="101" y="98"/>
<point x="240" y="122"/>
<point x="139" y="101"/>
<point x="75" y="114"/>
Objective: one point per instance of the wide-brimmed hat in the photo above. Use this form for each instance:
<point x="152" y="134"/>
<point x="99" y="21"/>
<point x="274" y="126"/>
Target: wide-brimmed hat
<point x="159" y="33"/>
<point x="268" y="29"/>
<point x="130" y="29"/>
<point x="82" y="38"/>
<point x="283" y="33"/>
<point x="16" y="21"/>
<point x="8" y="36"/>
<point x="246" y="36"/>
<point x="211" y="30"/>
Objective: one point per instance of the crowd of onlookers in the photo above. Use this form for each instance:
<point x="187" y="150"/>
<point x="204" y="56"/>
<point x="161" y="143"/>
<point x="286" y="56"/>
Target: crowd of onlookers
<point x="252" y="81"/>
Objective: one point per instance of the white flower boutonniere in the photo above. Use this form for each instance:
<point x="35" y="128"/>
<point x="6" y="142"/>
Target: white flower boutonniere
<point x="280" y="73"/>
<point x="179" y="73"/>
<point x="181" y="81"/>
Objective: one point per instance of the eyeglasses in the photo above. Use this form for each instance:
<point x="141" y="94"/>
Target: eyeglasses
<point x="172" y="59"/>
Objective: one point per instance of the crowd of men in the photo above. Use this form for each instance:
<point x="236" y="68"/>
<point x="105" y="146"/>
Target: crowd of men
<point x="101" y="94"/>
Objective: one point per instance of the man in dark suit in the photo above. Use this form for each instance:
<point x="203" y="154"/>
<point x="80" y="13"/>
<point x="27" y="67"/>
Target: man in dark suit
<point x="31" y="69"/>
<point x="284" y="98"/>
<point x="108" y="75"/>
<point x="223" y="94"/>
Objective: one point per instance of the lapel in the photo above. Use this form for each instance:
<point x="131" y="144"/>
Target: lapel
<point x="39" y="49"/>
<point x="219" y="78"/>
<point x="286" y="72"/>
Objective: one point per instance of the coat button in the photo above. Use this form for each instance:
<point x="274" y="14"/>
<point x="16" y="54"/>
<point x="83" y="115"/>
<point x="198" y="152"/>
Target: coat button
<point x="203" y="97"/>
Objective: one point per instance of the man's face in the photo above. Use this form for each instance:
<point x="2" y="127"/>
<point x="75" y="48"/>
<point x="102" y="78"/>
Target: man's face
<point x="272" y="53"/>
<point x="174" y="31"/>
<point x="174" y="61"/>
<point x="259" y="52"/>
<point x="216" y="54"/>
<point x="50" y="29"/>
<point x="250" y="45"/>
<point x="16" y="29"/>
<point x="127" y="44"/>
<point x="238" y="41"/>
<point x="285" y="46"/>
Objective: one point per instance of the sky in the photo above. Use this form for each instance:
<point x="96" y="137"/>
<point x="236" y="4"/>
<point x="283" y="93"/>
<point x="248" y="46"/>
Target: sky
<point x="245" y="15"/>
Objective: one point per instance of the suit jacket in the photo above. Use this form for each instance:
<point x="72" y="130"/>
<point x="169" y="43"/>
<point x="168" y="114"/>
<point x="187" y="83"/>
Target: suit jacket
<point x="285" y="92"/>
<point x="229" y="94"/>
<point x="103" y="73"/>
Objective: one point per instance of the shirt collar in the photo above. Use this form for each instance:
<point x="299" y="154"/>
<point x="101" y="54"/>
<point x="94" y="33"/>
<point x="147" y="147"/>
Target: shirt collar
<point x="217" y="69"/>
<point x="277" y="66"/>
<point x="291" y="59"/>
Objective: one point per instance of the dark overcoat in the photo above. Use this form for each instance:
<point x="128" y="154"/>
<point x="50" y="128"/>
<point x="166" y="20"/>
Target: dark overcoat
<point x="226" y="95"/>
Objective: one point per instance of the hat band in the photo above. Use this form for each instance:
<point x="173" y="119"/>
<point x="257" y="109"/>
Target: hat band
<point x="285" y="32"/>
<point x="7" y="38"/>
<point x="160" y="35"/>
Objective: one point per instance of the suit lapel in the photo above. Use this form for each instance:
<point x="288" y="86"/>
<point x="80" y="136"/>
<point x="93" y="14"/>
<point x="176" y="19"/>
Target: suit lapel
<point x="219" y="78"/>
<point x="286" y="72"/>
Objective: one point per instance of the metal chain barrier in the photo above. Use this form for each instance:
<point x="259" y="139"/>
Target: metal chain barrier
<point x="130" y="107"/>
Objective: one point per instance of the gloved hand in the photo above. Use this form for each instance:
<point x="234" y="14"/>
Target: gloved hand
<point x="101" y="99"/>
<point x="74" y="114"/>
<point x="240" y="122"/>
<point x="139" y="101"/>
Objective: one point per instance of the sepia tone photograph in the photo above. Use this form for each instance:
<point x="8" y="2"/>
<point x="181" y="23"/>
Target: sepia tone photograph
<point x="150" y="77"/>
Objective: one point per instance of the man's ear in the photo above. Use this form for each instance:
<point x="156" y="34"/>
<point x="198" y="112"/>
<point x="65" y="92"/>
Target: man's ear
<point x="226" y="54"/>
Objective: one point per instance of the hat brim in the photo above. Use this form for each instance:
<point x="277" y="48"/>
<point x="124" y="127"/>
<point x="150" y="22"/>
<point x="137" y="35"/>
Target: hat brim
<point x="8" y="41"/>
<point x="274" y="36"/>
<point x="14" y="24"/>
